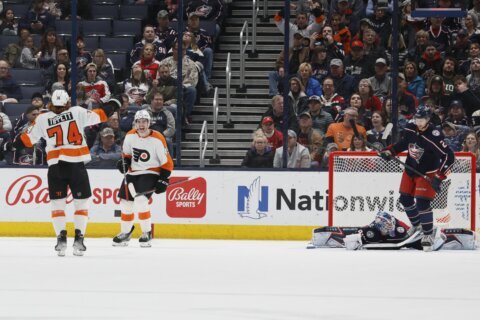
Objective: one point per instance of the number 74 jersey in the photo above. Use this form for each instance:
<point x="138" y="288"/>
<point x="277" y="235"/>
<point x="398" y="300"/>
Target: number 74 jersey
<point x="64" y="133"/>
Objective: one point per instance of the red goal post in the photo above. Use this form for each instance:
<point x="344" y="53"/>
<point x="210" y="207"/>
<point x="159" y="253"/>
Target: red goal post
<point x="362" y="184"/>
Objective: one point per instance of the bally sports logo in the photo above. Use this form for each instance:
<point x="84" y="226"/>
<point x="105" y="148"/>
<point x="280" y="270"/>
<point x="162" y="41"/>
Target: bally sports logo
<point x="186" y="197"/>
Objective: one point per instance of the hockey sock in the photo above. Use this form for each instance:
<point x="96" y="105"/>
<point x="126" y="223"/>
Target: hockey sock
<point x="426" y="215"/>
<point x="127" y="216"/>
<point x="80" y="218"/>
<point x="410" y="209"/>
<point x="141" y="207"/>
<point x="58" y="215"/>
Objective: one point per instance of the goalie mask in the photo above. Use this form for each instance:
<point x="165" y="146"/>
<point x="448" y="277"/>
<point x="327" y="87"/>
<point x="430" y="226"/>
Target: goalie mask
<point x="385" y="223"/>
<point x="60" y="101"/>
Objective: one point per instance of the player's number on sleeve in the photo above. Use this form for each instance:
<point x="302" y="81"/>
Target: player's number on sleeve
<point x="73" y="136"/>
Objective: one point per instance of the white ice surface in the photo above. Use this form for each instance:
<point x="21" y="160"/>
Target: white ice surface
<point x="212" y="279"/>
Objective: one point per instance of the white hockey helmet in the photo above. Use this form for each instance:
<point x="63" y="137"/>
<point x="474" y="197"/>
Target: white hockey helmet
<point x="60" y="98"/>
<point x="142" y="114"/>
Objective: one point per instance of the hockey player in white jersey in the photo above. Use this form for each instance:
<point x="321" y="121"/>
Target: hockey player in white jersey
<point x="67" y="152"/>
<point x="147" y="166"/>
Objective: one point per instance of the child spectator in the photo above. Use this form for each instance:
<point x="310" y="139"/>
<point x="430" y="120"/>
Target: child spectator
<point x="472" y="144"/>
<point x="136" y="87"/>
<point x="28" y="59"/>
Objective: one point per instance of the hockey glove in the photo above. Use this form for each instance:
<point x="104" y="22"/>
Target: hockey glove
<point x="386" y="155"/>
<point x="123" y="165"/>
<point x="162" y="182"/>
<point x="437" y="182"/>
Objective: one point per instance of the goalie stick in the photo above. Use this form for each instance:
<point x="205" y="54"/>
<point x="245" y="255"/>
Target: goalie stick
<point x="386" y="133"/>
<point x="394" y="158"/>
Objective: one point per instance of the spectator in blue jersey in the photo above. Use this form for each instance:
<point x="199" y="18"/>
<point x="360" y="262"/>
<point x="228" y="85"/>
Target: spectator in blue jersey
<point x="162" y="119"/>
<point x="344" y="83"/>
<point x="37" y="20"/>
<point x="203" y="40"/>
<point x="208" y="10"/>
<point x="455" y="135"/>
<point x="164" y="31"/>
<point x="149" y="36"/>
<point x="311" y="85"/>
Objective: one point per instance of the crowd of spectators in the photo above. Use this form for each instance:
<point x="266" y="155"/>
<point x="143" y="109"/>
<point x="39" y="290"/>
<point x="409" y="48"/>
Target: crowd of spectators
<point x="150" y="81"/>
<point x="340" y="60"/>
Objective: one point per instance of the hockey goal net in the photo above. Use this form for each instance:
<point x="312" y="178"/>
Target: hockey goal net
<point x="362" y="184"/>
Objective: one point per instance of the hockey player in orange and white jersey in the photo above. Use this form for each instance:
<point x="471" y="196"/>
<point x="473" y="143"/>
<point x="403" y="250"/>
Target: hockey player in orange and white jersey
<point x="67" y="152"/>
<point x="147" y="165"/>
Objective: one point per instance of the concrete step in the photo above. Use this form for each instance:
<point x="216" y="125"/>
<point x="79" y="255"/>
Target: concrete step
<point x="260" y="30"/>
<point x="223" y="162"/>
<point x="238" y="101"/>
<point x="235" y="56"/>
<point x="248" y="4"/>
<point x="252" y="65"/>
<point x="222" y="137"/>
<point x="196" y="127"/>
<point x="260" y="39"/>
<point x="263" y="47"/>
<point x="234" y="109"/>
<point x="223" y="118"/>
<point x="248" y="12"/>
<point x="221" y="145"/>
<point x="248" y="74"/>
<point x="235" y="82"/>
<point x="250" y="92"/>
<point x="238" y="21"/>
<point x="188" y="153"/>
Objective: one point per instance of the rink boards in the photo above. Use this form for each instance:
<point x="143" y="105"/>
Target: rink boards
<point x="213" y="204"/>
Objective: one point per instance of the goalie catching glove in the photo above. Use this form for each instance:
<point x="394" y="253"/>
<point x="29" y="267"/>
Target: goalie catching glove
<point x="162" y="182"/>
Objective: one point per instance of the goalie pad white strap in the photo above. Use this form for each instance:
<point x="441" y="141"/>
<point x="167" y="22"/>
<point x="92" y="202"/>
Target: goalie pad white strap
<point x="353" y="241"/>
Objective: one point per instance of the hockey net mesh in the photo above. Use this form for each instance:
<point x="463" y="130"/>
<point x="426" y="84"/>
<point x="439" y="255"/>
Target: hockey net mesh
<point x="361" y="184"/>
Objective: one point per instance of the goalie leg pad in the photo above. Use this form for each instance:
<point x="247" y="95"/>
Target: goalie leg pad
<point x="59" y="219"/>
<point x="353" y="241"/>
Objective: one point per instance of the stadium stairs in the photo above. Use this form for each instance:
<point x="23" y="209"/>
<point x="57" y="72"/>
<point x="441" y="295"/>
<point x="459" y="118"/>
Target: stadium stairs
<point x="246" y="108"/>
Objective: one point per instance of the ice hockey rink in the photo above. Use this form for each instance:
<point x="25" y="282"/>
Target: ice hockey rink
<point x="216" y="279"/>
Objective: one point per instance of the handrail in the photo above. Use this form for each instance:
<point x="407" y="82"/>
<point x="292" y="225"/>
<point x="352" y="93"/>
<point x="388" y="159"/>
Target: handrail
<point x="228" y="75"/>
<point x="265" y="17"/>
<point x="215" y="159"/>
<point x="243" y="49"/>
<point x="255" y="9"/>
<point x="203" y="146"/>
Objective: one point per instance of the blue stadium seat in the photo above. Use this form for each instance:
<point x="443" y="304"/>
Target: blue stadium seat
<point x="28" y="77"/>
<point x="129" y="28"/>
<point x="102" y="12"/>
<point x="133" y="12"/>
<point x="91" y="43"/>
<point x="106" y="1"/>
<point x="119" y="61"/>
<point x="27" y="92"/>
<point x="64" y="27"/>
<point x="15" y="110"/>
<point x="116" y="44"/>
<point x="5" y="41"/>
<point x="97" y="28"/>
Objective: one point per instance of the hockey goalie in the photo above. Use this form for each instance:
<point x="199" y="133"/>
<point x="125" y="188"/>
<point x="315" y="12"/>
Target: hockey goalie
<point x="387" y="232"/>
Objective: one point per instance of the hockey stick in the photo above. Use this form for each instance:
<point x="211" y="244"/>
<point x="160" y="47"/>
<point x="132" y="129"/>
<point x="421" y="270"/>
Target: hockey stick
<point x="386" y="133"/>
<point x="400" y="162"/>
<point x="135" y="194"/>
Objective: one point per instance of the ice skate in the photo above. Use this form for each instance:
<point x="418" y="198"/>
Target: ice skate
<point x="61" y="246"/>
<point x="427" y="242"/>
<point x="145" y="239"/>
<point x="122" y="239"/>
<point x="78" y="246"/>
